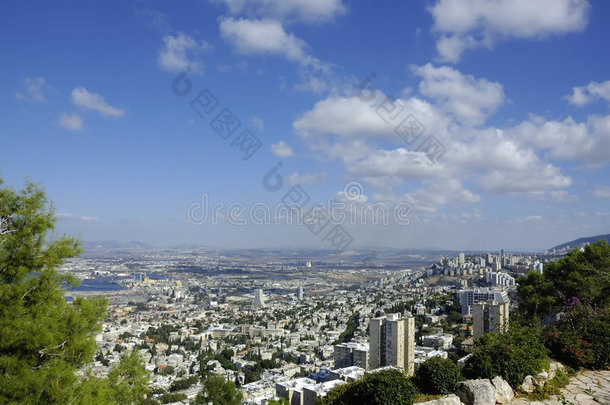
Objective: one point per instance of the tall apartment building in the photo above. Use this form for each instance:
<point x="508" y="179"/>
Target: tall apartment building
<point x="351" y="354"/>
<point x="461" y="259"/>
<point x="489" y="316"/>
<point x="392" y="342"/>
<point x="475" y="295"/>
<point x="259" y="299"/>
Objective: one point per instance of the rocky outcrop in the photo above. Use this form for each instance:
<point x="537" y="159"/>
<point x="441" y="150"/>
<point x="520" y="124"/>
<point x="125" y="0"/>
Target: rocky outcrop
<point x="504" y="393"/>
<point x="476" y="392"/>
<point x="446" y="400"/>
<point x="529" y="384"/>
<point x="541" y="378"/>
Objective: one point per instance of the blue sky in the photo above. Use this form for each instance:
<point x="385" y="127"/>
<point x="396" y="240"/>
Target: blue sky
<point x="515" y="94"/>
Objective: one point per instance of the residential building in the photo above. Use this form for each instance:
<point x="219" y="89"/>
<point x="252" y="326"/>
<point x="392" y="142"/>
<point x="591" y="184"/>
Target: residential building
<point x="489" y="316"/>
<point x="474" y="295"/>
<point x="392" y="342"/>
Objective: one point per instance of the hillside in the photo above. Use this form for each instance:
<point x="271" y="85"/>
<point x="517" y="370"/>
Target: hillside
<point x="581" y="241"/>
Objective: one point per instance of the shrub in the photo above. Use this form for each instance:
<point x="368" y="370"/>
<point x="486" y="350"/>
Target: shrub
<point x="383" y="387"/>
<point x="582" y="337"/>
<point x="438" y="376"/>
<point x="511" y="355"/>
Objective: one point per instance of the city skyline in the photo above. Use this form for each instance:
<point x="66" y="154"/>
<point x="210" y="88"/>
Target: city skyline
<point x="487" y="124"/>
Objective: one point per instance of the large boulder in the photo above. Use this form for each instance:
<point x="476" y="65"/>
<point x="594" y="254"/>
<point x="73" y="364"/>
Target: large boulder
<point x="476" y="392"/>
<point x="504" y="393"/>
<point x="446" y="400"/>
<point x="528" y="384"/>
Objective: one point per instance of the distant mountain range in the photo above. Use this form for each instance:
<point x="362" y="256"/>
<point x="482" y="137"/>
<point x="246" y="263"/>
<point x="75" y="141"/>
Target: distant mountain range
<point x="582" y="241"/>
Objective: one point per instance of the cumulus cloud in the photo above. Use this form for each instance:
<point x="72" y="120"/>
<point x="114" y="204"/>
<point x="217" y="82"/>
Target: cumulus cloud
<point x="93" y="101"/>
<point x="179" y="52"/>
<point x="33" y="89"/>
<point x="591" y="92"/>
<point x="304" y="10"/>
<point x="306" y="179"/>
<point x="469" y="99"/>
<point x="352" y="130"/>
<point x="281" y="149"/>
<point x="467" y="24"/>
<point x="265" y="37"/>
<point x="71" y="122"/>
<point x="586" y="142"/>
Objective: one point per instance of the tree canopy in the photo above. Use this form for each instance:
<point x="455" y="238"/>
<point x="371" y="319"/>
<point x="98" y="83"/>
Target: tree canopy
<point x="582" y="274"/>
<point x="43" y="339"/>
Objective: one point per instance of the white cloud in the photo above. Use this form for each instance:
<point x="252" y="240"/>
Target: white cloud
<point x="74" y="217"/>
<point x="305" y="10"/>
<point x="469" y="99"/>
<point x="601" y="192"/>
<point x="585" y="142"/>
<point x="265" y="37"/>
<point x="306" y="179"/>
<point x="467" y="24"/>
<point x="348" y="129"/>
<point x="93" y="101"/>
<point x="71" y="122"/>
<point x="591" y="92"/>
<point x="34" y="89"/>
<point x="179" y="52"/>
<point x="281" y="149"/>
<point x="258" y="122"/>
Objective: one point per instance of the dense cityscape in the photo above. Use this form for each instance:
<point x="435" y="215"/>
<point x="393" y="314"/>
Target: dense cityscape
<point x="280" y="326"/>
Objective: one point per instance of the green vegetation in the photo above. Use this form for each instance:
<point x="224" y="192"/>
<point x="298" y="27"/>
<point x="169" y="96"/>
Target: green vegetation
<point x="552" y="387"/>
<point x="437" y="376"/>
<point x="511" y="355"/>
<point x="178" y="385"/>
<point x="217" y="391"/>
<point x="352" y="324"/>
<point x="383" y="387"/>
<point x="585" y="275"/>
<point x="577" y="287"/>
<point x="43" y="339"/>
<point x="582" y="337"/>
<point x="172" y="397"/>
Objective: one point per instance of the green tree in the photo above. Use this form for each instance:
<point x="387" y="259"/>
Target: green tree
<point x="536" y="296"/>
<point x="585" y="275"/>
<point x="219" y="392"/>
<point x="43" y="339"/>
<point x="438" y="376"/>
<point x="127" y="383"/>
<point x="511" y="355"/>
<point x="380" y="388"/>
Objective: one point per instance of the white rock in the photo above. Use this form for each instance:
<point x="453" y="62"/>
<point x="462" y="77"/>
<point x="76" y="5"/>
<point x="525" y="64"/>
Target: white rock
<point x="528" y="384"/>
<point x="476" y="392"/>
<point x="446" y="400"/>
<point x="541" y="378"/>
<point x="504" y="393"/>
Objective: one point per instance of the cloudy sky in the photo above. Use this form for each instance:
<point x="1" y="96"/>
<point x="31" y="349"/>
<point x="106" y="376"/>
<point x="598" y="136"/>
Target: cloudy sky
<point x="457" y="124"/>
